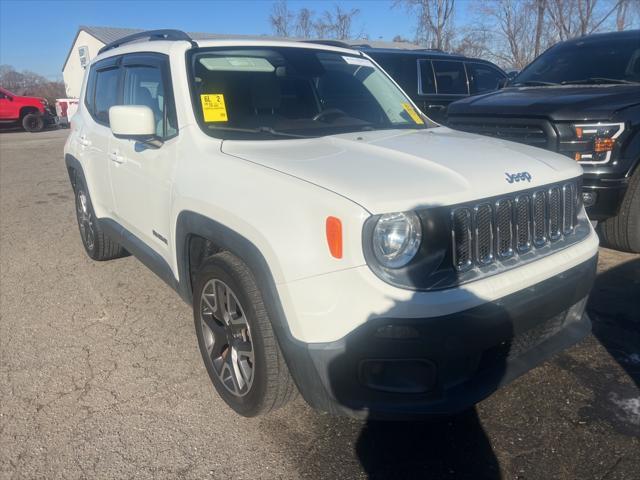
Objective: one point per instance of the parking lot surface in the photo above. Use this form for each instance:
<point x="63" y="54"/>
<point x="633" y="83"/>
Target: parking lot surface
<point x="100" y="375"/>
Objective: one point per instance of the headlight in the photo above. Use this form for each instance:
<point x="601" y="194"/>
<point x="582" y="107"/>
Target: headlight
<point x="396" y="239"/>
<point x="596" y="141"/>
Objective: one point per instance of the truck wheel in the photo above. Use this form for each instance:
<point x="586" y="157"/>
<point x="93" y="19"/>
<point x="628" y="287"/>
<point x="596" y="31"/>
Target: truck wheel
<point x="622" y="232"/>
<point x="236" y="340"/>
<point x="33" y="122"/>
<point x="98" y="245"/>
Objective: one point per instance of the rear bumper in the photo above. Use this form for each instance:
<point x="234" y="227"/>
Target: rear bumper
<point x="414" y="367"/>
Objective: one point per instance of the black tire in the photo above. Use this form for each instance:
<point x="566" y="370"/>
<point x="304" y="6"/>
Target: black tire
<point x="33" y="122"/>
<point x="271" y="385"/>
<point x="98" y="245"/>
<point x="622" y="232"/>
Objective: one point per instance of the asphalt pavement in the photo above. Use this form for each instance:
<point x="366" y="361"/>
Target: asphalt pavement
<point x="100" y="375"/>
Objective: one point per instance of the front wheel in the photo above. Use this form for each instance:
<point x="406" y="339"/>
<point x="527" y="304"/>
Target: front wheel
<point x="236" y="340"/>
<point x="622" y="232"/>
<point x="33" y="122"/>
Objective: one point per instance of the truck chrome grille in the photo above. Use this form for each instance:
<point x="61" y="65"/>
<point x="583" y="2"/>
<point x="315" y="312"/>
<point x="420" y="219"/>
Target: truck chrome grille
<point x="495" y="231"/>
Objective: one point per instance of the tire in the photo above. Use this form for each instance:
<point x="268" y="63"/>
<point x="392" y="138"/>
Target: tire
<point x="236" y="340"/>
<point x="98" y="245"/>
<point x="33" y="122"/>
<point x="622" y="232"/>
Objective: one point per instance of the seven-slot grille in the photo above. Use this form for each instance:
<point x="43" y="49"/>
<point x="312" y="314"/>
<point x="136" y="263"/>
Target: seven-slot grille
<point x="501" y="228"/>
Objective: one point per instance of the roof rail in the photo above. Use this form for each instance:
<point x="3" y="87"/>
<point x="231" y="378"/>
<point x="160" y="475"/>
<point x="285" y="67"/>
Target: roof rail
<point x="330" y="43"/>
<point x="151" y="35"/>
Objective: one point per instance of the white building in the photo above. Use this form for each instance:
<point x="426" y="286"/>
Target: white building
<point x="89" y="40"/>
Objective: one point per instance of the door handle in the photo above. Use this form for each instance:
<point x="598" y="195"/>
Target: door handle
<point x="115" y="157"/>
<point x="84" y="141"/>
<point x="436" y="107"/>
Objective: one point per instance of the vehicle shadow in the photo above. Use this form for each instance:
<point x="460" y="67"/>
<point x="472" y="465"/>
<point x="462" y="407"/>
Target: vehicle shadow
<point x="614" y="307"/>
<point x="429" y="447"/>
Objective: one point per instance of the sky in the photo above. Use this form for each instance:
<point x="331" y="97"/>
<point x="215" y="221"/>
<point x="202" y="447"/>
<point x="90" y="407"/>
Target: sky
<point x="37" y="35"/>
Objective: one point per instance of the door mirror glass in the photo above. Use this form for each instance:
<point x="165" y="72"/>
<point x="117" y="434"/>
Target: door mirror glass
<point x="134" y="122"/>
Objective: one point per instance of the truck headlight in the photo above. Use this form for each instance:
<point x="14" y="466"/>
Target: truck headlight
<point x="396" y="238"/>
<point x="596" y="141"/>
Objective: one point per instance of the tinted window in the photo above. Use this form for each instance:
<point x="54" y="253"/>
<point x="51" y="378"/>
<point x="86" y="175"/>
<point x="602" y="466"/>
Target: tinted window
<point x="617" y="58"/>
<point x="90" y="91"/>
<point x="399" y="67"/>
<point x="288" y="92"/>
<point x="483" y="78"/>
<point x="106" y="93"/>
<point x="427" y="85"/>
<point x="143" y="85"/>
<point x="450" y="77"/>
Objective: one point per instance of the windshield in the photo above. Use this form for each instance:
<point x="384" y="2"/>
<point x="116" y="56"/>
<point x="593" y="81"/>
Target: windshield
<point x="594" y="61"/>
<point x="294" y="92"/>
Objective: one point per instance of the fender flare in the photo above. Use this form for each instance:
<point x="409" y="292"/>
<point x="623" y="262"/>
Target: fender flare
<point x="73" y="165"/>
<point x="295" y="352"/>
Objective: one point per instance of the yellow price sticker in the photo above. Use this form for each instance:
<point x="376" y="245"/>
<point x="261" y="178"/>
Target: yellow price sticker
<point x="412" y="113"/>
<point x="213" y="107"/>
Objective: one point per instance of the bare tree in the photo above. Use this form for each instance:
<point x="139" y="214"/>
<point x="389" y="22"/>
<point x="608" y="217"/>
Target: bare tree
<point x="572" y="18"/>
<point x="30" y="83"/>
<point x="281" y="18"/>
<point x="541" y="6"/>
<point x="336" y="24"/>
<point x="304" y="23"/>
<point x="435" y="21"/>
<point x="625" y="12"/>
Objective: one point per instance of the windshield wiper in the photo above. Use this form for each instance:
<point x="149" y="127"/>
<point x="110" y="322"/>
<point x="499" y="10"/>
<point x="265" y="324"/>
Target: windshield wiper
<point x="534" y="83"/>
<point x="261" y="129"/>
<point x="598" y="80"/>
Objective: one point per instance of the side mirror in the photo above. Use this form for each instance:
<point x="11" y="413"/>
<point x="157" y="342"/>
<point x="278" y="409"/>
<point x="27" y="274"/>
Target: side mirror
<point x="134" y="122"/>
<point x="502" y="83"/>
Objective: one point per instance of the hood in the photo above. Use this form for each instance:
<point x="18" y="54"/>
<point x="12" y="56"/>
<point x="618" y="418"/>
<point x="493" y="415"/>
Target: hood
<point x="562" y="103"/>
<point x="397" y="170"/>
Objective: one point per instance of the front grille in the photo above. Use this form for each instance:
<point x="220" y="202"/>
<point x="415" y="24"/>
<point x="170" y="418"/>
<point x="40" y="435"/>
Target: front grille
<point x="489" y="232"/>
<point x="529" y="132"/>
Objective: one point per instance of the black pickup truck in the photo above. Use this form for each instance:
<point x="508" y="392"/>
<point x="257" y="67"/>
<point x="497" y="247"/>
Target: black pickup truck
<point x="580" y="98"/>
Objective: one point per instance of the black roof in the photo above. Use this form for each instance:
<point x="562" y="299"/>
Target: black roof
<point x="626" y="34"/>
<point x="425" y="53"/>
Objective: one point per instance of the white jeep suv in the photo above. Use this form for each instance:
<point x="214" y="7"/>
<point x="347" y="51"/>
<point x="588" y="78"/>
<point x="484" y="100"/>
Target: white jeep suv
<point x="331" y="238"/>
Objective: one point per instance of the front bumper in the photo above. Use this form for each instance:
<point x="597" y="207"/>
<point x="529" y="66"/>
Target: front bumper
<point x="413" y="367"/>
<point x="608" y="193"/>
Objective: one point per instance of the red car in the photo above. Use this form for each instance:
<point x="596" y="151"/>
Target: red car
<point x="32" y="113"/>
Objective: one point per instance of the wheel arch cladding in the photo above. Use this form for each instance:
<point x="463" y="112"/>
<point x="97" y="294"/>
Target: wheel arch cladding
<point x="191" y="223"/>
<point x="73" y="168"/>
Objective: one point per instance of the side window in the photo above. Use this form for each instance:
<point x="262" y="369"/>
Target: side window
<point x="144" y="85"/>
<point x="106" y="94"/>
<point x="451" y="78"/>
<point x="483" y="78"/>
<point x="2" y="96"/>
<point x="90" y="90"/>
<point x="427" y="87"/>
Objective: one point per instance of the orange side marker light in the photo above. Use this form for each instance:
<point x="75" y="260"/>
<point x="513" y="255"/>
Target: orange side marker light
<point x="334" y="236"/>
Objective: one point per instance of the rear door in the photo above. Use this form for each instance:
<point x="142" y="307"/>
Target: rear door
<point x="483" y="78"/>
<point x="102" y="92"/>
<point x="441" y="82"/>
<point x="141" y="175"/>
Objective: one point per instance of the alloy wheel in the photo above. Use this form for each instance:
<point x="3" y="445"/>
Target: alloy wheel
<point x="227" y="337"/>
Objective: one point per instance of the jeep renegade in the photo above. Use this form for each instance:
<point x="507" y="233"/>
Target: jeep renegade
<point x="331" y="239"/>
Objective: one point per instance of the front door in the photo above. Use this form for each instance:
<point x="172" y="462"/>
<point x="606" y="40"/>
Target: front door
<point x="141" y="175"/>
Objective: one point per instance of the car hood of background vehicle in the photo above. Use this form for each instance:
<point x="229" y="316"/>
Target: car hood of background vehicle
<point x="562" y="103"/>
<point x="397" y="170"/>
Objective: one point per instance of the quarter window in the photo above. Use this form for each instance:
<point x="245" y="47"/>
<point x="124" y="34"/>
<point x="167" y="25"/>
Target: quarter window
<point x="483" y="78"/>
<point x="451" y="78"/>
<point x="106" y="94"/>
<point x="427" y="85"/>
